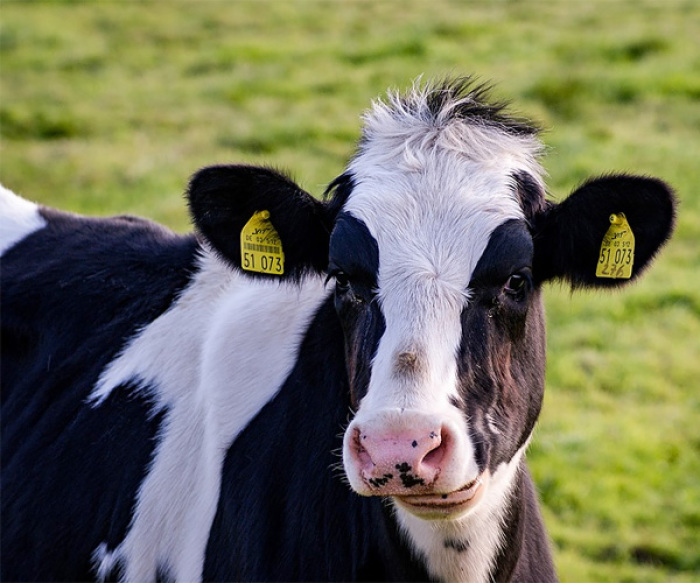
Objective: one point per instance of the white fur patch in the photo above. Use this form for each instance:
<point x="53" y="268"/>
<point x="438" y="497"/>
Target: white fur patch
<point x="480" y="532"/>
<point x="214" y="359"/>
<point x="19" y="218"/>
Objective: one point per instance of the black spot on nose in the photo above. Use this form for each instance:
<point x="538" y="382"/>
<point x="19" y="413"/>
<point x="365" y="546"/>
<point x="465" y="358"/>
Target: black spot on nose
<point x="379" y="482"/>
<point x="407" y="479"/>
<point x="415" y="443"/>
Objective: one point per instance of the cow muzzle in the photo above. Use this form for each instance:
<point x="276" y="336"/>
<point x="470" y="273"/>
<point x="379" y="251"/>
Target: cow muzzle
<point x="426" y="462"/>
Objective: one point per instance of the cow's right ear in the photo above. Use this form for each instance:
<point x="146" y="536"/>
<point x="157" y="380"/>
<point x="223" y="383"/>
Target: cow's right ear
<point x="260" y="221"/>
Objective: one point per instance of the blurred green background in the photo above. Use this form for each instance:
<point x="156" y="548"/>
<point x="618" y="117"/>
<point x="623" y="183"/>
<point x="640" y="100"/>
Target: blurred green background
<point x="109" y="107"/>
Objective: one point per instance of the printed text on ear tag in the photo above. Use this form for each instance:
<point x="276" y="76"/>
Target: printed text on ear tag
<point x="261" y="247"/>
<point x="617" y="250"/>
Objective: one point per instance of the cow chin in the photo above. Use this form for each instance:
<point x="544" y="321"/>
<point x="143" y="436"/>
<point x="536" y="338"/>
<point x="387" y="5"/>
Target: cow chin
<point x="450" y="506"/>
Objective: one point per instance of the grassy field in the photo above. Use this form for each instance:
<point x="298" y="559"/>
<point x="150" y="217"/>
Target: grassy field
<point x="109" y="107"/>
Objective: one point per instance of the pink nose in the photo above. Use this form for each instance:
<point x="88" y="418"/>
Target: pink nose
<point x="401" y="462"/>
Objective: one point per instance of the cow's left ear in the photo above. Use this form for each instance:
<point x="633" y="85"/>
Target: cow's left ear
<point x="569" y="236"/>
<point x="259" y="220"/>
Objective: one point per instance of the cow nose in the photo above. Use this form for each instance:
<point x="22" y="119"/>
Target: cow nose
<point x="401" y="462"/>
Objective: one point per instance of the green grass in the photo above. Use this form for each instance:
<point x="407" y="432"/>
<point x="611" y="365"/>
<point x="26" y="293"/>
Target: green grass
<point x="109" y="107"/>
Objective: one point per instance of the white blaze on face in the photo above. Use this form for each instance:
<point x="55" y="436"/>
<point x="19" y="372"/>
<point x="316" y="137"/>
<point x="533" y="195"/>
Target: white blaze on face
<point x="431" y="231"/>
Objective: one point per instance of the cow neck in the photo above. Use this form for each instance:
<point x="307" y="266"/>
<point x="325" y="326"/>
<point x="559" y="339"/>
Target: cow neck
<point x="524" y="554"/>
<point x="467" y="549"/>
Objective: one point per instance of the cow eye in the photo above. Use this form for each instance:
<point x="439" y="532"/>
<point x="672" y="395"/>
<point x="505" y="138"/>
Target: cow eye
<point x="516" y="285"/>
<point x="348" y="289"/>
<point x="342" y="282"/>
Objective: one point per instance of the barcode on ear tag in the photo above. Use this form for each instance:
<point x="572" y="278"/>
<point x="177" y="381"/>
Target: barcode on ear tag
<point x="261" y="246"/>
<point x="617" y="250"/>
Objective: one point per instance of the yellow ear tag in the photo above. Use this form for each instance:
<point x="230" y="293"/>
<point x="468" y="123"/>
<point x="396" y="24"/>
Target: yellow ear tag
<point x="617" y="250"/>
<point x="261" y="247"/>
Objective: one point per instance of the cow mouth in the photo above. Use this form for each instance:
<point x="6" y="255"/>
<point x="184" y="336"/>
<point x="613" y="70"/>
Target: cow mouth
<point x="447" y="505"/>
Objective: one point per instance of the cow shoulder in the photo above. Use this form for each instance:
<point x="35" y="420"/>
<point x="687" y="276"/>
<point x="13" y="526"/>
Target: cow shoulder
<point x="212" y="361"/>
<point x="82" y="285"/>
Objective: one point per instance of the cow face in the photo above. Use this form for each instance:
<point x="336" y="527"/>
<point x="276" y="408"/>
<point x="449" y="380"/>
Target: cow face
<point x="447" y="375"/>
<point x="438" y="238"/>
<point x="445" y="360"/>
<point x="433" y="257"/>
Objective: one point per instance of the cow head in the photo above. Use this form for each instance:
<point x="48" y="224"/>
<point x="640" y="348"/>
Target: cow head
<point x="438" y="238"/>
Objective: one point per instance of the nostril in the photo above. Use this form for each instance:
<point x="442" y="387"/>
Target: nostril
<point x="361" y="454"/>
<point x="434" y="457"/>
<point x="438" y="447"/>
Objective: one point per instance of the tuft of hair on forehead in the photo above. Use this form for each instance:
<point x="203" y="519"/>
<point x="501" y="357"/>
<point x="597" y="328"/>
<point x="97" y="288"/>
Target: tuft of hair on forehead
<point x="438" y="103"/>
<point x="457" y="115"/>
<point x="465" y="98"/>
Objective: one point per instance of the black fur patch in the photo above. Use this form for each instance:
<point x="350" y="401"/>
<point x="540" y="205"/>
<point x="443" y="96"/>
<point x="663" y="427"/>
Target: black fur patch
<point x="457" y="545"/>
<point x="501" y="359"/>
<point x="72" y="294"/>
<point x="532" y="197"/>
<point x="337" y="194"/>
<point x="354" y="251"/>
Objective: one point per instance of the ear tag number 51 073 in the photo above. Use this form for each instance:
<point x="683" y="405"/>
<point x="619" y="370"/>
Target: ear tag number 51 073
<point x="261" y="246"/>
<point x="617" y="250"/>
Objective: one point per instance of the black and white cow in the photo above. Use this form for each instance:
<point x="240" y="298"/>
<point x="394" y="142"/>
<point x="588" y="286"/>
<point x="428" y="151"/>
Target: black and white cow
<point x="168" y="415"/>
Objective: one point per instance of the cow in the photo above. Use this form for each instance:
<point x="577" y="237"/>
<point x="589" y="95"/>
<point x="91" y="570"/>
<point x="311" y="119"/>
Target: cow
<point x="304" y="389"/>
